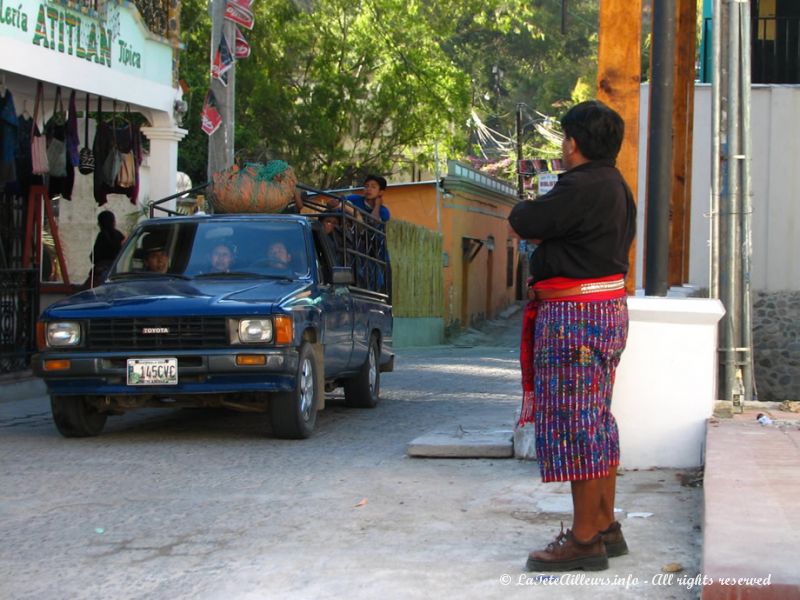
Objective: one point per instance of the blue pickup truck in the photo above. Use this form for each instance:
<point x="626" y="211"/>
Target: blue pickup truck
<point x="253" y="312"/>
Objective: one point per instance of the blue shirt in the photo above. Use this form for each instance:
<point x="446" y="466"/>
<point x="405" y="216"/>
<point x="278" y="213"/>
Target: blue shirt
<point x="360" y="201"/>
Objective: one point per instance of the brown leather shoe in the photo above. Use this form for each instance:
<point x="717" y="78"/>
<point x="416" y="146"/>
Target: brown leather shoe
<point x="565" y="553"/>
<point x="614" y="540"/>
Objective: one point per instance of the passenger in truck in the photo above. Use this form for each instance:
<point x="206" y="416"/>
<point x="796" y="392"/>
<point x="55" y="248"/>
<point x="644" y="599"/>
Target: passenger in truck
<point x="331" y="227"/>
<point x="222" y="257"/>
<point x="156" y="258"/>
<point x="278" y="257"/>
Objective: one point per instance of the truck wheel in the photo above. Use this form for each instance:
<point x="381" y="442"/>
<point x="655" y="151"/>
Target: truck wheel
<point x="294" y="413"/>
<point x="75" y="417"/>
<point x="363" y="390"/>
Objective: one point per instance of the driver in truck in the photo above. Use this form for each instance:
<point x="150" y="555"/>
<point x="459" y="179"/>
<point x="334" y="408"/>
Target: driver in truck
<point x="278" y="257"/>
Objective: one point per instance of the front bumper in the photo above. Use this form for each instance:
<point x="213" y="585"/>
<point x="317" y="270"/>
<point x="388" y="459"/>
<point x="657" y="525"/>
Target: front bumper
<point x="206" y="372"/>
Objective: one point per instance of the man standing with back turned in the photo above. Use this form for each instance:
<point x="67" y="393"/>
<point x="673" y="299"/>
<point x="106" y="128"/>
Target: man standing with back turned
<point x="584" y="227"/>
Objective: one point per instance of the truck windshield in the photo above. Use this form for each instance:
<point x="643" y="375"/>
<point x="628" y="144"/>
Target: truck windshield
<point x="216" y="248"/>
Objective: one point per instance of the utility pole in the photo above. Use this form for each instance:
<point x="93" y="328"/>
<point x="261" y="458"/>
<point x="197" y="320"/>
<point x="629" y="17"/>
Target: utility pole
<point x="683" y="125"/>
<point x="732" y="198"/>
<point x="618" y="85"/>
<point x="659" y="150"/>
<point x="221" y="142"/>
<point x="520" y="176"/>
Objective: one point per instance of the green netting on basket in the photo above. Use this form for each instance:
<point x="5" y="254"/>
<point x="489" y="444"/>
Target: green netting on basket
<point x="268" y="171"/>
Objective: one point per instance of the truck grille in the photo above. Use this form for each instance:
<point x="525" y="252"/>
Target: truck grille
<point x="161" y="332"/>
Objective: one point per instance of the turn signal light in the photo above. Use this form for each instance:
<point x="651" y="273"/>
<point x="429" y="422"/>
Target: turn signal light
<point x="250" y="360"/>
<point x="283" y="329"/>
<point x="56" y="365"/>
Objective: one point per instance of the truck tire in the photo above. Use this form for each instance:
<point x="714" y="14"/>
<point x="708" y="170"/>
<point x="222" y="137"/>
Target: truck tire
<point x="294" y="413"/>
<point x="75" y="417"/>
<point x="363" y="390"/>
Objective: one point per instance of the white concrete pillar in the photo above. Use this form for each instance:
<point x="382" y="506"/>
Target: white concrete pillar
<point x="164" y="161"/>
<point x="666" y="383"/>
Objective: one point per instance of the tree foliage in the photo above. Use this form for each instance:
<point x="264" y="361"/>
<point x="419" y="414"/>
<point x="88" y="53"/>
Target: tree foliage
<point x="517" y="53"/>
<point x="194" y="72"/>
<point x="342" y="90"/>
<point x="343" y="87"/>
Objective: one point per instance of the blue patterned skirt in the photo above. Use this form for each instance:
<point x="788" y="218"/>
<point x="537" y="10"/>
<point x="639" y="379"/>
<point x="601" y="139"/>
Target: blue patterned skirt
<point x="577" y="347"/>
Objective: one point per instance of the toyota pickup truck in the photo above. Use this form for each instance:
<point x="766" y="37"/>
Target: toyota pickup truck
<point x="252" y="312"/>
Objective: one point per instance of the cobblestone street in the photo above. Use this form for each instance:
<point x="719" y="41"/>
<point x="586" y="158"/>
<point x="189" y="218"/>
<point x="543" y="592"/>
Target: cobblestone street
<point x="204" y="505"/>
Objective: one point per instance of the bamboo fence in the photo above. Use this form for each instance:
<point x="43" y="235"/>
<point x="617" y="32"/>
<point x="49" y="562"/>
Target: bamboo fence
<point x="417" y="276"/>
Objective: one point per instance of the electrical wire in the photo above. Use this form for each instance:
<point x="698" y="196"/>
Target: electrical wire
<point x="490" y="138"/>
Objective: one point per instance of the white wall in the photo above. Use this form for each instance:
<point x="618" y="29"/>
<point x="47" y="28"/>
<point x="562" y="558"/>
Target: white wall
<point x="775" y="122"/>
<point x="77" y="220"/>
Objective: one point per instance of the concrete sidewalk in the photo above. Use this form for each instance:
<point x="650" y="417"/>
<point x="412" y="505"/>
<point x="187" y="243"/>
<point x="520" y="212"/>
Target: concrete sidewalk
<point x="751" y="527"/>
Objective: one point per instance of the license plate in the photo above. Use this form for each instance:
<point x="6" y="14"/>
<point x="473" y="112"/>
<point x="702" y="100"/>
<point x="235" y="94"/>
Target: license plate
<point x="152" y="371"/>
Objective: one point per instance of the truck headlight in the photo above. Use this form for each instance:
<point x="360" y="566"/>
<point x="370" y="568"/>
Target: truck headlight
<point x="254" y="331"/>
<point x="61" y="334"/>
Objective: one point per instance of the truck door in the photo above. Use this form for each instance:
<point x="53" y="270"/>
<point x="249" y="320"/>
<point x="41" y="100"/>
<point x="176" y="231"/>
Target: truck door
<point x="337" y="313"/>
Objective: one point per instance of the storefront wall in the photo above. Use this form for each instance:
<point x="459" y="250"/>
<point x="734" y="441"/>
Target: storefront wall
<point x="109" y="53"/>
<point x="105" y="49"/>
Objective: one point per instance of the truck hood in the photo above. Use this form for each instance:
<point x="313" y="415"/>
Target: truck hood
<point x="141" y="298"/>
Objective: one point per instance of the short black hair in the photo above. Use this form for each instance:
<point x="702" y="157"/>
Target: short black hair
<point x="153" y="242"/>
<point x="106" y="219"/>
<point x="381" y="181"/>
<point x="597" y="129"/>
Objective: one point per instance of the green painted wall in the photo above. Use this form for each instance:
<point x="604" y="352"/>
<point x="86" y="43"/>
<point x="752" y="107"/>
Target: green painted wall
<point x="421" y="331"/>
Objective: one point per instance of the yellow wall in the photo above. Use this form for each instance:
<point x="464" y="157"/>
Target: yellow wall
<point x="463" y="215"/>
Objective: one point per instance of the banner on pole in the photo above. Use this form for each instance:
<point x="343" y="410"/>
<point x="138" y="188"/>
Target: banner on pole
<point x="223" y="60"/>
<point x="241" y="47"/>
<point x="240" y="12"/>
<point x="211" y="119"/>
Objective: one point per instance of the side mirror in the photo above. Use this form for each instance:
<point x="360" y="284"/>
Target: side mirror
<point x="343" y="275"/>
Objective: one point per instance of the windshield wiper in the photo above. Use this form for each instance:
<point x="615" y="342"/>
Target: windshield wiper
<point x="245" y="275"/>
<point x="282" y="277"/>
<point x="231" y="274"/>
<point x="146" y="275"/>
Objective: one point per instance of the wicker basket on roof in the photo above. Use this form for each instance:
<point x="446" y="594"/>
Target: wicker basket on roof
<point x="255" y="188"/>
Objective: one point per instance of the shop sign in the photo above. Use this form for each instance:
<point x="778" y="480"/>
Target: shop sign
<point x="111" y="37"/>
<point x="77" y="35"/>
<point x="547" y="182"/>
<point x="13" y="17"/>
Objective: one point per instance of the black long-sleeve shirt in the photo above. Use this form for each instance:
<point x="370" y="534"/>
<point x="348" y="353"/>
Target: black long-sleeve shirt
<point x="586" y="224"/>
<point x="107" y="245"/>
